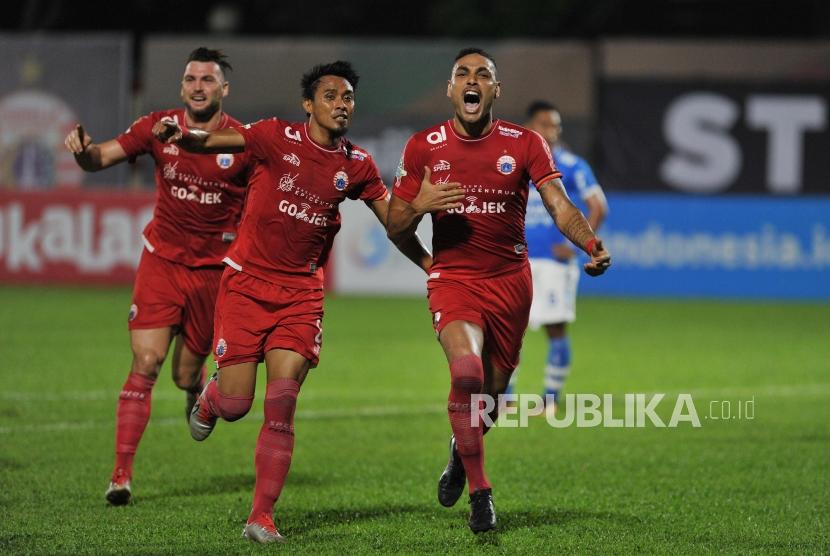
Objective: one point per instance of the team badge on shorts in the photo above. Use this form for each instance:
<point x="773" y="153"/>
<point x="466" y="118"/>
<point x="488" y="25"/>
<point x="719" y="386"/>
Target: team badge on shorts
<point x="341" y="180"/>
<point x="221" y="347"/>
<point x="506" y="164"/>
<point x="133" y="313"/>
<point x="224" y="160"/>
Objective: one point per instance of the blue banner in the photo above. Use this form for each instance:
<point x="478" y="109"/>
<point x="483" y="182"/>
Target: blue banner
<point x="727" y="247"/>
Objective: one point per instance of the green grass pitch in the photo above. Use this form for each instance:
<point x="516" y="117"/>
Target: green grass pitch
<point x="371" y="435"/>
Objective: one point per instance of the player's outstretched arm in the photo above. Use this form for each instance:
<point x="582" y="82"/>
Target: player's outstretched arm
<point x="93" y="156"/>
<point x="411" y="246"/>
<point x="572" y="223"/>
<point x="226" y="140"/>
<point x="403" y="218"/>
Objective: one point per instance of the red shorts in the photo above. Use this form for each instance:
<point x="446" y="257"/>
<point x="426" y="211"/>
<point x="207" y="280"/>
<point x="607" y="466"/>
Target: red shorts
<point x="254" y="316"/>
<point x="500" y="306"/>
<point x="176" y="295"/>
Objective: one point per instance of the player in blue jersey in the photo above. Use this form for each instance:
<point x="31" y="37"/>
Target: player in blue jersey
<point x="553" y="259"/>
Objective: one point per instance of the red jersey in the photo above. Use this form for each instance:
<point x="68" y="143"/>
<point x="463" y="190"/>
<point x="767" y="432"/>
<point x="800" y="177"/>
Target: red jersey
<point x="292" y="215"/>
<point x="486" y="237"/>
<point x="199" y="197"/>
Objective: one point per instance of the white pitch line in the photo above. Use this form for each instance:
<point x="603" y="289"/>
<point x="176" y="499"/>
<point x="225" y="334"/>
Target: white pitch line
<point x="781" y="391"/>
<point x="175" y="396"/>
<point x="784" y="390"/>
<point x="307" y="415"/>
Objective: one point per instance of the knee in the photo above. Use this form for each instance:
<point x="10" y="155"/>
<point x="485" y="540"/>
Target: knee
<point x="233" y="408"/>
<point x="467" y="374"/>
<point x="147" y="362"/>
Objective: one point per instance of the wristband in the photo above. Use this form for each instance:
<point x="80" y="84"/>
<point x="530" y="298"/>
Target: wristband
<point x="589" y="247"/>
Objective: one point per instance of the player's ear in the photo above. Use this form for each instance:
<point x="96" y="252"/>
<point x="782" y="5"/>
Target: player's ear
<point x="226" y="88"/>
<point x="307" y="105"/>
<point x="498" y="89"/>
<point x="449" y="88"/>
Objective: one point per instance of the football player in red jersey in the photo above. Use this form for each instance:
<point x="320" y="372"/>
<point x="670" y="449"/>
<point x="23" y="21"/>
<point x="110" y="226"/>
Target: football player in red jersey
<point x="270" y="305"/>
<point x="199" y="204"/>
<point x="471" y="173"/>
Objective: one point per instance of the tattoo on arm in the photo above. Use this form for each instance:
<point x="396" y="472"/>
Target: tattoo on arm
<point x="576" y="228"/>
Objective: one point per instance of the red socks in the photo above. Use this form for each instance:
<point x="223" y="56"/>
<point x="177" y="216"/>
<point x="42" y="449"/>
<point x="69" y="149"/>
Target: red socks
<point x="274" y="445"/>
<point x="130" y="421"/>
<point x="467" y="378"/>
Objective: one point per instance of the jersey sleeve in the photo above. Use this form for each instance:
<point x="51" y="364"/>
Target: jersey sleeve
<point x="257" y="136"/>
<point x="138" y="139"/>
<point x="586" y="182"/>
<point x="540" y="165"/>
<point x="371" y="187"/>
<point x="410" y="172"/>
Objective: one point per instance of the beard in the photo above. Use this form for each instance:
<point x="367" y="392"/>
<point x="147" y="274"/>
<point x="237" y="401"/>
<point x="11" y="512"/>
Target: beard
<point x="206" y="113"/>
<point x="338" y="132"/>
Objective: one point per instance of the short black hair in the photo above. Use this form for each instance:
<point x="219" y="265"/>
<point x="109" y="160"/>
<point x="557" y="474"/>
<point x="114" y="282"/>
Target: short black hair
<point x="340" y="68"/>
<point x="539" y="106"/>
<point x="473" y="50"/>
<point x="204" y="54"/>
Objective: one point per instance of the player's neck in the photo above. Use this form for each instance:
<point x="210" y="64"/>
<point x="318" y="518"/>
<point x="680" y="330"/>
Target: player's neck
<point x="322" y="136"/>
<point x="205" y="125"/>
<point x="473" y="129"/>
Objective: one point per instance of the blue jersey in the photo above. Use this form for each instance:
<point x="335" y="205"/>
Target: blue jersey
<point x="580" y="183"/>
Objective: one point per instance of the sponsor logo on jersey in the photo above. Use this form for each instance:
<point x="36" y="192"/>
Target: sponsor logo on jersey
<point x="221" y="347"/>
<point x="287" y="182"/>
<point x="473" y="206"/>
<point x="441" y="166"/>
<point x="443" y="181"/>
<point x="359" y="155"/>
<point x="437" y="136"/>
<point x="341" y="180"/>
<point x="509" y="132"/>
<point x="292" y="159"/>
<point x="400" y="172"/>
<point x="169" y="170"/>
<point x="506" y="164"/>
<point x="292" y="134"/>
<point x="171" y="149"/>
<point x="193" y="193"/>
<point x="133" y="313"/>
<point x="224" y="160"/>
<point x="301" y="213"/>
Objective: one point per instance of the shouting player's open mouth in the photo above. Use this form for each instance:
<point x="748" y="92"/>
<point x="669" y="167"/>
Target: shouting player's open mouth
<point x="341" y="118"/>
<point x="472" y="101"/>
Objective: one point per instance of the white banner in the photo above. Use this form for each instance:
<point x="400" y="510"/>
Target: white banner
<point x="365" y="261"/>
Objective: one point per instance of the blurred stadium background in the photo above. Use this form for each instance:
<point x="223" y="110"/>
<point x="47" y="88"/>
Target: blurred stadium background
<point x="707" y="124"/>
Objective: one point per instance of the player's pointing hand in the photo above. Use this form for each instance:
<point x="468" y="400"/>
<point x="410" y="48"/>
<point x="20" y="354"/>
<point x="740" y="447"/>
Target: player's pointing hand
<point x="77" y="141"/>
<point x="167" y="130"/>
<point x="600" y="260"/>
<point x="437" y="197"/>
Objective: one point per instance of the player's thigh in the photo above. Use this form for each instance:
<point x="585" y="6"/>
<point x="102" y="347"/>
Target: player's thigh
<point x="459" y="338"/>
<point x="298" y="334"/>
<point x="238" y="379"/>
<point x="456" y="318"/>
<point x="158" y="300"/>
<point x="508" y="301"/>
<point x="242" y="319"/>
<point x="285" y="363"/>
<point x="149" y="347"/>
<point x="186" y="365"/>
<point x="200" y="288"/>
